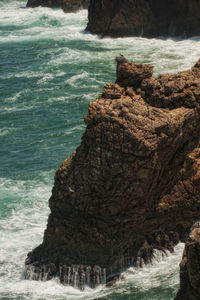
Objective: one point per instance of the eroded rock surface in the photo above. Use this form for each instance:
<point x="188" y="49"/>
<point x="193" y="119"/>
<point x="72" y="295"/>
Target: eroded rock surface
<point x="132" y="186"/>
<point x="147" y="18"/>
<point x="190" y="267"/>
<point x="66" y="5"/>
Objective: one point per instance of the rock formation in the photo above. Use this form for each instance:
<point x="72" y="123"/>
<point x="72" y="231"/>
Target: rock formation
<point x="66" y="5"/>
<point x="132" y="186"/>
<point x="190" y="267"/>
<point x="148" y="18"/>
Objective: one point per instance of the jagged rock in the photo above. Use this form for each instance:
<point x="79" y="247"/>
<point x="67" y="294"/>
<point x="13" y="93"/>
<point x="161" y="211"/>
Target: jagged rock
<point x="129" y="74"/>
<point x="147" y="18"/>
<point x="133" y="184"/>
<point x="113" y="280"/>
<point x="66" y="5"/>
<point x="190" y="267"/>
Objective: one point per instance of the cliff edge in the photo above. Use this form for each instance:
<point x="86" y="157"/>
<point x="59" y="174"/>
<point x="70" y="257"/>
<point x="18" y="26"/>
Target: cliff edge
<point x="132" y="186"/>
<point x="148" y="18"/>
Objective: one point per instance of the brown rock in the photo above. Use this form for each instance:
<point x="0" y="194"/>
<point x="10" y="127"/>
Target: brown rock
<point x="66" y="5"/>
<point x="113" y="280"/>
<point x="190" y="267"/>
<point x="129" y="74"/>
<point x="133" y="184"/>
<point x="147" y="18"/>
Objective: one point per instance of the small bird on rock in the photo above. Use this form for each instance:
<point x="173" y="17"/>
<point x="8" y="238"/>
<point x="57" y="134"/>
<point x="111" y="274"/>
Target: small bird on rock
<point x="121" y="59"/>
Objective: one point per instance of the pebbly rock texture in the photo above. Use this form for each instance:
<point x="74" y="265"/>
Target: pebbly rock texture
<point x="148" y="18"/>
<point x="66" y="5"/>
<point x="132" y="186"/>
<point x="190" y="267"/>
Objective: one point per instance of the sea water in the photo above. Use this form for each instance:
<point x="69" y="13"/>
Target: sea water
<point x="50" y="69"/>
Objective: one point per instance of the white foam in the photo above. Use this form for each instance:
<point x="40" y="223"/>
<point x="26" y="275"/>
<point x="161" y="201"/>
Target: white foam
<point x="15" y="97"/>
<point x="74" y="80"/>
<point x="45" y="78"/>
<point x="164" y="268"/>
<point x="6" y="130"/>
<point x="168" y="55"/>
<point x="27" y="201"/>
<point x="23" y="230"/>
<point x="20" y="233"/>
<point x="17" y="107"/>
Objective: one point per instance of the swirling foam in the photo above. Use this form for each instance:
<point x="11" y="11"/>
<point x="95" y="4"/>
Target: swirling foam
<point x="50" y="69"/>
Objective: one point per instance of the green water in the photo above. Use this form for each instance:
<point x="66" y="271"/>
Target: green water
<point x="49" y="71"/>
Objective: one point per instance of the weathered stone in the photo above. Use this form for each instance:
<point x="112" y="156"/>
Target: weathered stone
<point x="133" y="184"/>
<point x="129" y="74"/>
<point x="66" y="5"/>
<point x="112" y="91"/>
<point x="190" y="267"/>
<point x="147" y="18"/>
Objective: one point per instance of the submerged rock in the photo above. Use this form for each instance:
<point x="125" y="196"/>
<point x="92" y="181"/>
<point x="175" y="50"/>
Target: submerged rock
<point x="190" y="267"/>
<point x="66" y="5"/>
<point x="147" y="18"/>
<point x="133" y="184"/>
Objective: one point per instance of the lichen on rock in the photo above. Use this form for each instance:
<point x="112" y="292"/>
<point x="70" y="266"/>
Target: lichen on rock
<point x="132" y="186"/>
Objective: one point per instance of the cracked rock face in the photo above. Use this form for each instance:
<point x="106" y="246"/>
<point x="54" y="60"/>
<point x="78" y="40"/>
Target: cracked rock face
<point x="66" y="5"/>
<point x="190" y="267"/>
<point x="132" y="186"/>
<point x="147" y="18"/>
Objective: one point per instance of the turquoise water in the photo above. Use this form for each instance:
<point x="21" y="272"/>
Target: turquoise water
<point x="49" y="71"/>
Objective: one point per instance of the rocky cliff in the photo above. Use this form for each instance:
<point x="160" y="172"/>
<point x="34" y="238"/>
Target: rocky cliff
<point x="132" y="186"/>
<point x="66" y="5"/>
<point x="190" y="267"/>
<point x="147" y="18"/>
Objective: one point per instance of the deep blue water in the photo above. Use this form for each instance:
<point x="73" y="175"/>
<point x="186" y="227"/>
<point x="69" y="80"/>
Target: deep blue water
<point x="49" y="71"/>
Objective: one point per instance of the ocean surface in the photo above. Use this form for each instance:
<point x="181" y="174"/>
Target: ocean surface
<point x="50" y="69"/>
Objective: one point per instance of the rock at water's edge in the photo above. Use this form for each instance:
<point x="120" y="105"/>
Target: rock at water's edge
<point x="132" y="185"/>
<point x="149" y="18"/>
<point x="190" y="267"/>
<point x="66" y="5"/>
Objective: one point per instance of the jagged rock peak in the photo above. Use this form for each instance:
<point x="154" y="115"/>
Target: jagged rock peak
<point x="129" y="74"/>
<point x="66" y="5"/>
<point x="132" y="186"/>
<point x="120" y="59"/>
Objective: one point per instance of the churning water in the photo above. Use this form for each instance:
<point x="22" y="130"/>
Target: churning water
<point x="49" y="71"/>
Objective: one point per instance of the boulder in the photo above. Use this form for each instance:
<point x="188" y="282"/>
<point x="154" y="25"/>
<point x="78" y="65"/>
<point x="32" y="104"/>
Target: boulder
<point x="132" y="186"/>
<point x="129" y="74"/>
<point x="148" y="18"/>
<point x="190" y="267"/>
<point x="66" y="5"/>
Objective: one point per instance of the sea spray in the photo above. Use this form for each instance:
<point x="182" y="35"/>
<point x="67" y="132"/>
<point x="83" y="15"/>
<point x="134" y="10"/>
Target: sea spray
<point x="43" y="98"/>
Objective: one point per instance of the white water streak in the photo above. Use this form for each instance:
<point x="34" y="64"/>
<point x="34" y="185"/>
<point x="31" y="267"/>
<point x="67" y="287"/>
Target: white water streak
<point x="26" y="203"/>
